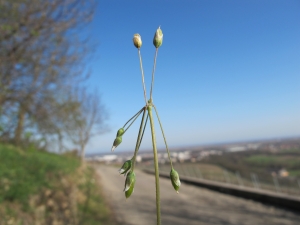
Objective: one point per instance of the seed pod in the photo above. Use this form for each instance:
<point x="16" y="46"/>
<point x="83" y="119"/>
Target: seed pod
<point x="130" y="190"/>
<point x="126" y="166"/>
<point x="137" y="41"/>
<point x="158" y="38"/>
<point x="175" y="179"/>
<point x="117" y="141"/>
<point x="130" y="181"/>
<point x="120" y="132"/>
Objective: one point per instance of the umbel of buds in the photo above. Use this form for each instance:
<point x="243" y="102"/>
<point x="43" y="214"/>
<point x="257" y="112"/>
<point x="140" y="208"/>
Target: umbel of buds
<point x="129" y="184"/>
<point x="175" y="179"/>
<point x="126" y="166"/>
<point x="158" y="38"/>
<point x="137" y="40"/>
<point x="118" y="139"/>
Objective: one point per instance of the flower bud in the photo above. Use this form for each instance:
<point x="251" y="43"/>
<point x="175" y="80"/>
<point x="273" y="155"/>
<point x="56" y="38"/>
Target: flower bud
<point x="120" y="132"/>
<point x="130" y="190"/>
<point x="117" y="141"/>
<point x="175" y="179"/>
<point x="129" y="184"/>
<point x="137" y="40"/>
<point x="126" y="166"/>
<point x="158" y="38"/>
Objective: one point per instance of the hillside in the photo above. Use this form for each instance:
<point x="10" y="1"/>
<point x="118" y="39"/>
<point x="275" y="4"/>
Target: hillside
<point x="43" y="188"/>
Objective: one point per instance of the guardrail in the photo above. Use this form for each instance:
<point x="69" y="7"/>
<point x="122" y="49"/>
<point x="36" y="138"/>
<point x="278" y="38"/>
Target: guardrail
<point x="267" y="197"/>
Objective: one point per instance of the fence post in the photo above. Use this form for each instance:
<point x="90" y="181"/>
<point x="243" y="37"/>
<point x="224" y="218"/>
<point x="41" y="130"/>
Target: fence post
<point x="226" y="176"/>
<point x="200" y="174"/>
<point x="253" y="180"/>
<point x="239" y="179"/>
<point x="276" y="183"/>
<point x="256" y="181"/>
<point x="182" y="170"/>
<point x="195" y="170"/>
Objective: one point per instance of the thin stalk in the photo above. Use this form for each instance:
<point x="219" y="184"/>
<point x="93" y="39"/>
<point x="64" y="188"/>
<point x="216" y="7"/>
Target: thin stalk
<point x="162" y="130"/>
<point x="155" y="166"/>
<point x="138" y="139"/>
<point x="143" y="80"/>
<point x="143" y="130"/>
<point x="153" y="71"/>
<point x="139" y="113"/>
<point x="133" y="117"/>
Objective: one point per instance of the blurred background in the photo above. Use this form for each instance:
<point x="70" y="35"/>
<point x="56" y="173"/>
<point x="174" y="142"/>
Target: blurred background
<point x="227" y="90"/>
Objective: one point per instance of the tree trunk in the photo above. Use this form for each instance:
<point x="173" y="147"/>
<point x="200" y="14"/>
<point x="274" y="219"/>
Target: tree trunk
<point x="82" y="151"/>
<point x="20" y="125"/>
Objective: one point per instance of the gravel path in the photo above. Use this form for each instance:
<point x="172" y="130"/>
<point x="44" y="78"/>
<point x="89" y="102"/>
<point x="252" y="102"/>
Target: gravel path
<point x="192" y="206"/>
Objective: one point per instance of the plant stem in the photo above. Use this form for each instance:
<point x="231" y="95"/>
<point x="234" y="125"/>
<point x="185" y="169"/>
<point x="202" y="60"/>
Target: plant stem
<point x="136" y="116"/>
<point x="162" y="130"/>
<point x="138" y="139"/>
<point x="143" y="131"/>
<point x="143" y="80"/>
<point x="153" y="71"/>
<point x="133" y="116"/>
<point x="155" y="165"/>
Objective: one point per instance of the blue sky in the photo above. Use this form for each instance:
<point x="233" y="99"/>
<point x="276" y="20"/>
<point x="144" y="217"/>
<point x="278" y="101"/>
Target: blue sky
<point x="226" y="71"/>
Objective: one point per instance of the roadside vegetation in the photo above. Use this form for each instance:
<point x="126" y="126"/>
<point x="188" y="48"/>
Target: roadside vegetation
<point x="38" y="187"/>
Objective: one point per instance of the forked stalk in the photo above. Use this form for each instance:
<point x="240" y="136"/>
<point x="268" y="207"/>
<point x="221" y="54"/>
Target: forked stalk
<point x="128" y="167"/>
<point x="135" y="117"/>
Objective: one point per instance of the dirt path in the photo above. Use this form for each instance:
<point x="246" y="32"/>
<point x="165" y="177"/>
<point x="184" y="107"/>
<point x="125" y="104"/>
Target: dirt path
<point x="193" y="206"/>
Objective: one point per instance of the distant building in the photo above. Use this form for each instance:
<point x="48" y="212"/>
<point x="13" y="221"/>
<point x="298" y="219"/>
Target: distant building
<point x="237" y="149"/>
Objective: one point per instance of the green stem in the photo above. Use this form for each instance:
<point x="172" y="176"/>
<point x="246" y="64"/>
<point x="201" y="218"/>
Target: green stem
<point x="133" y="116"/>
<point x="143" y="130"/>
<point x="143" y="79"/>
<point x="136" y="116"/>
<point x="153" y="71"/>
<point x="155" y="165"/>
<point x="162" y="130"/>
<point x="138" y="139"/>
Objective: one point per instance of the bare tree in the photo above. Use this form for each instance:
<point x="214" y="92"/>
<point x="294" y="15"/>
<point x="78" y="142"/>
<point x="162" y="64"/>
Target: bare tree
<point x="42" y="52"/>
<point x="88" y="120"/>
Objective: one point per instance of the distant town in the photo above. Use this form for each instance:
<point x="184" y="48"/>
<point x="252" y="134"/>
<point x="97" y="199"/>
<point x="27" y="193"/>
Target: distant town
<point x="198" y="153"/>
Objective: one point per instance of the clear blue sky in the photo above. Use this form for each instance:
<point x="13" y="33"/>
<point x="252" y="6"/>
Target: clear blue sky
<point x="227" y="70"/>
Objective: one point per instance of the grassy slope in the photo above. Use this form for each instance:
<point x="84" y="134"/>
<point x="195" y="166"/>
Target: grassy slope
<point x="261" y="162"/>
<point x="44" y="187"/>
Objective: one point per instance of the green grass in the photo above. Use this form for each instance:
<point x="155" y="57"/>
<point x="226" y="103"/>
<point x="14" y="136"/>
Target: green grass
<point x="295" y="173"/>
<point x="27" y="175"/>
<point x="283" y="161"/>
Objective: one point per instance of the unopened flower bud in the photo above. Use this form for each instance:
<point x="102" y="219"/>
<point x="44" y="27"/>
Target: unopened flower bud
<point x="117" y="141"/>
<point x="130" y="191"/>
<point x="126" y="166"/>
<point x="129" y="184"/>
<point x="137" y="40"/>
<point x="158" y="38"/>
<point x="175" y="179"/>
<point x="120" y="132"/>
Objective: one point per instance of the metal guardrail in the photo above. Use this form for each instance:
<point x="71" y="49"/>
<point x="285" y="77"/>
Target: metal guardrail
<point x="264" y="196"/>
